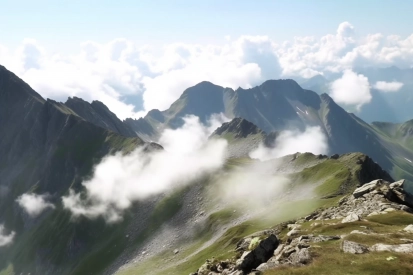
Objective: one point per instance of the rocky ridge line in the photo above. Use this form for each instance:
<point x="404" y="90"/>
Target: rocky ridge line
<point x="264" y="250"/>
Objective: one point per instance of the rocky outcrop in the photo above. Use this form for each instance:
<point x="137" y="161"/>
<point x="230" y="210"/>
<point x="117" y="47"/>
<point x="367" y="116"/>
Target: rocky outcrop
<point x="373" y="198"/>
<point x="258" y="255"/>
<point x="353" y="247"/>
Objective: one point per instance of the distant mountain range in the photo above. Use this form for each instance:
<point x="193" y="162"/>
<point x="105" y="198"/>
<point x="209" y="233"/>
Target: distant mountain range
<point x="392" y="107"/>
<point x="282" y="104"/>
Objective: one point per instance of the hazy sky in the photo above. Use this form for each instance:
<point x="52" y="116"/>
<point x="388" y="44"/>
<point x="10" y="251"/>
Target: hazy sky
<point x="62" y="25"/>
<point x="135" y="56"/>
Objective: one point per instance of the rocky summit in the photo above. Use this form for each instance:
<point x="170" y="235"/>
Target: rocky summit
<point x="370" y="220"/>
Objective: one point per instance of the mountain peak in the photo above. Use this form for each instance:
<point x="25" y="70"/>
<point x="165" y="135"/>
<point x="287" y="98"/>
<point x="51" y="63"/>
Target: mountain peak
<point x="11" y="83"/>
<point x="239" y="127"/>
<point x="100" y="115"/>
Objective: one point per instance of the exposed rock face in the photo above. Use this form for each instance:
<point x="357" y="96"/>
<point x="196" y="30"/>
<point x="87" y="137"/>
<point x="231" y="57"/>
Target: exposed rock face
<point x="239" y="127"/>
<point x="353" y="247"/>
<point x="373" y="198"/>
<point x="259" y="255"/>
<point x="100" y="115"/>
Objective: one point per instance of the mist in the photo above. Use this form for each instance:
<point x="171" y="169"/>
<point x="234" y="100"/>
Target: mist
<point x="5" y="239"/>
<point x="312" y="140"/>
<point x="34" y="204"/>
<point x="120" y="180"/>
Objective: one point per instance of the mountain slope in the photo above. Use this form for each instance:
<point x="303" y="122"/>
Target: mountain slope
<point x="219" y="225"/>
<point x="100" y="115"/>
<point x="46" y="147"/>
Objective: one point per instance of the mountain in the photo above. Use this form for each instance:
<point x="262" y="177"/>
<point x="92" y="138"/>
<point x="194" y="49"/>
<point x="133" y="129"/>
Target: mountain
<point x="49" y="147"/>
<point x="277" y="105"/>
<point x="46" y="148"/>
<point x="242" y="136"/>
<point x="392" y="107"/>
<point x="100" y="115"/>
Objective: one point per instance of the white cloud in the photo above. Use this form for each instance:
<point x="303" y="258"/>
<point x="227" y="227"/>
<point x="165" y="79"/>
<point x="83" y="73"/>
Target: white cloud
<point x="384" y="86"/>
<point x="292" y="141"/>
<point x="351" y="89"/>
<point x="6" y="239"/>
<point x="120" y="180"/>
<point x="34" y="204"/>
<point x="123" y="75"/>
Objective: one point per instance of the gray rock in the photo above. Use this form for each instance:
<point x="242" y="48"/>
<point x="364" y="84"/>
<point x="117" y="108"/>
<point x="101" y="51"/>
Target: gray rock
<point x="353" y="247"/>
<point x="293" y="232"/>
<point x="279" y="249"/>
<point x="301" y="257"/>
<point x="397" y="184"/>
<point x="358" y="232"/>
<point x="268" y="265"/>
<point x="399" y="248"/>
<point x="351" y="218"/>
<point x="367" y="188"/>
<point x="409" y="228"/>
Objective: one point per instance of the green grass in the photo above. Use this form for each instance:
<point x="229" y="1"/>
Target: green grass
<point x="8" y="270"/>
<point x="224" y="246"/>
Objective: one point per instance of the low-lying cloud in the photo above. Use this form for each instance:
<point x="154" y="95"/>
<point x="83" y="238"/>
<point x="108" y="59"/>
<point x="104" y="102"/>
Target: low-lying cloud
<point x="388" y="87"/>
<point x="5" y="239"/>
<point x="34" y="204"/>
<point x="292" y="141"/>
<point x="120" y="180"/>
<point x="351" y="89"/>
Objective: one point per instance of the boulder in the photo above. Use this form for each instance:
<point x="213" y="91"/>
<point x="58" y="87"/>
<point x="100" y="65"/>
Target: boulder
<point x="353" y="247"/>
<point x="266" y="266"/>
<point x="301" y="257"/>
<point x="352" y="217"/>
<point x="399" y="248"/>
<point x="397" y="184"/>
<point x="409" y="228"/>
<point x="294" y="232"/>
<point x="368" y="187"/>
<point x="261" y="254"/>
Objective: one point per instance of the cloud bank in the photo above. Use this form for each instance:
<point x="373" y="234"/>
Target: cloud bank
<point x="120" y="180"/>
<point x="4" y="238"/>
<point x="351" y="89"/>
<point x="292" y="141"/>
<point x="34" y="204"/>
<point x="388" y="87"/>
<point x="133" y="79"/>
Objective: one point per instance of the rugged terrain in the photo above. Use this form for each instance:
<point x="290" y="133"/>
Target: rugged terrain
<point x="49" y="147"/>
<point x="375" y="220"/>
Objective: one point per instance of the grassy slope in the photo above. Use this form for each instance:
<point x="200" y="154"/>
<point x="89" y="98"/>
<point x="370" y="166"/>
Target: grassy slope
<point x="400" y="148"/>
<point x="329" y="176"/>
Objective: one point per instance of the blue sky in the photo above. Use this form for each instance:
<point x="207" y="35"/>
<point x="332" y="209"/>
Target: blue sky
<point x="62" y="25"/>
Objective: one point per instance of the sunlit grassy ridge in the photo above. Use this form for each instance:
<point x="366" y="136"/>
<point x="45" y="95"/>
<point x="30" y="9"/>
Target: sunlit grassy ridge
<point x="328" y="175"/>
